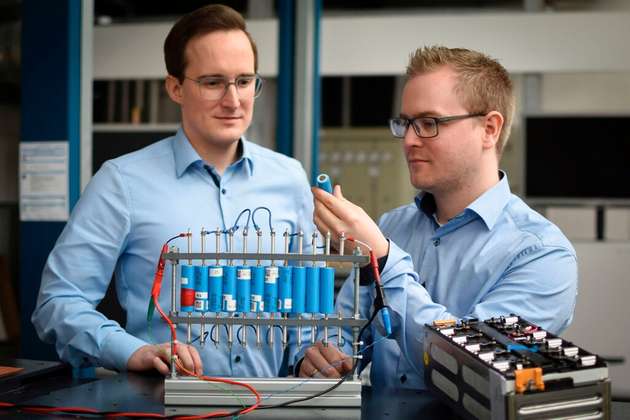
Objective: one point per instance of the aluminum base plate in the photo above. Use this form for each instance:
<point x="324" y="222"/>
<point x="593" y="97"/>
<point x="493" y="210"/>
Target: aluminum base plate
<point x="195" y="392"/>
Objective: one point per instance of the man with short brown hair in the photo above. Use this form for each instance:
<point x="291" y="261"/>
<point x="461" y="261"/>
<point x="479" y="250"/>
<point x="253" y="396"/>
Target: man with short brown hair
<point x="203" y="176"/>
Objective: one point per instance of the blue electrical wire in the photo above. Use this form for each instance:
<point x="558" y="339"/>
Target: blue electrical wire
<point x="256" y="226"/>
<point x="235" y="227"/>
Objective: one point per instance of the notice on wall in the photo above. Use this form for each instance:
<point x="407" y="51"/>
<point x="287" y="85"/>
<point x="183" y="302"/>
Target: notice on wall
<point x="44" y="181"/>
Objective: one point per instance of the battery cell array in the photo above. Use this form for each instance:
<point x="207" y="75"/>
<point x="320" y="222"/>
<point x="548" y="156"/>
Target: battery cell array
<point x="257" y="288"/>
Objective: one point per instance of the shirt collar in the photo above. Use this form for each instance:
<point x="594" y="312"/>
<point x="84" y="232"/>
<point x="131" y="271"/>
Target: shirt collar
<point x="246" y="156"/>
<point x="186" y="155"/>
<point x="491" y="203"/>
<point x="488" y="206"/>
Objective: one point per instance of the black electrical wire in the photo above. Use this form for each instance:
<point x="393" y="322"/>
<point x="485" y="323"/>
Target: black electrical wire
<point x="216" y="343"/>
<point x="333" y="387"/>
<point x="238" y="338"/>
<point x="205" y="336"/>
<point x="269" y="331"/>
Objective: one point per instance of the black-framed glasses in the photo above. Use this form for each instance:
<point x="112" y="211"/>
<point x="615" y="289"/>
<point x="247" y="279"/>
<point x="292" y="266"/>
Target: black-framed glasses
<point x="214" y="88"/>
<point x="425" y="127"/>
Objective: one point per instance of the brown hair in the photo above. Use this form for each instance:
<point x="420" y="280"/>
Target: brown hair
<point x="207" y="19"/>
<point x="483" y="85"/>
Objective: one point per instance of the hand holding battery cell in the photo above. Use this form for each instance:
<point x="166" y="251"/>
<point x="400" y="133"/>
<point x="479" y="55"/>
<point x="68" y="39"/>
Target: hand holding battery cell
<point x="334" y="214"/>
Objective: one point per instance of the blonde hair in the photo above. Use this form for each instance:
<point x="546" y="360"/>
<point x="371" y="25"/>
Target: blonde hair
<point x="483" y="85"/>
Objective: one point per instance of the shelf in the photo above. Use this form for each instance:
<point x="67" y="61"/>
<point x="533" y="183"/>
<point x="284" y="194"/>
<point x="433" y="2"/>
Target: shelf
<point x="120" y="127"/>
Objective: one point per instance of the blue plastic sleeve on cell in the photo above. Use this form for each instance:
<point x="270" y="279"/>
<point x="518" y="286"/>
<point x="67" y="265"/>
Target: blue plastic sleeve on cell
<point x="229" y="289"/>
<point x="299" y="290"/>
<point x="312" y="290"/>
<point x="215" y="288"/>
<point x="201" y="288"/>
<point x="387" y="323"/>
<point x="327" y="290"/>
<point x="243" y="288"/>
<point x="187" y="281"/>
<point x="285" y="294"/>
<point x="271" y="289"/>
<point x="323" y="182"/>
<point x="257" y="289"/>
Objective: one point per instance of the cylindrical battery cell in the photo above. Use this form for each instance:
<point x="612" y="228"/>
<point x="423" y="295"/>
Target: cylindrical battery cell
<point x="201" y="288"/>
<point x="312" y="289"/>
<point x="271" y="289"/>
<point x="299" y="289"/>
<point x="243" y="288"/>
<point x="285" y="297"/>
<point x="327" y="290"/>
<point x="257" y="289"/>
<point x="215" y="288"/>
<point x="229" y="289"/>
<point x="187" y="283"/>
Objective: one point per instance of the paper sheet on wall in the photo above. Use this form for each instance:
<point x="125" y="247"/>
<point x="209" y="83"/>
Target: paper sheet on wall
<point x="44" y="181"/>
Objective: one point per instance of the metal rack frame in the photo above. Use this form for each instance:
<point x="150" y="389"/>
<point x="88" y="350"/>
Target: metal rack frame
<point x="191" y="391"/>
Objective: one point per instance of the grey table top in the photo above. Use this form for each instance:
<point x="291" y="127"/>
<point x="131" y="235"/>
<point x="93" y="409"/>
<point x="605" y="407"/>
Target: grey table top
<point x="144" y="393"/>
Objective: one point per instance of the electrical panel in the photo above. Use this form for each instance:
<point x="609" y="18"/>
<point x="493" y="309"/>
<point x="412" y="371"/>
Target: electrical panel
<point x="370" y="166"/>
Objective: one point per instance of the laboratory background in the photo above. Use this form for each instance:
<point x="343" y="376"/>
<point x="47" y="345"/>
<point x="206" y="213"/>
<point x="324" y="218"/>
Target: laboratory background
<point x="86" y="79"/>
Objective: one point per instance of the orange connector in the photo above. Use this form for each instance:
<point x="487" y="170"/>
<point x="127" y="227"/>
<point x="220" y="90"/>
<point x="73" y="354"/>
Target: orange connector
<point x="528" y="380"/>
<point x="441" y="323"/>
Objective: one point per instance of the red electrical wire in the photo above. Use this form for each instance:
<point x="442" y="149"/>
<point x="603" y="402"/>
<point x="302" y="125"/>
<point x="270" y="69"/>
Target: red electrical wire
<point x="48" y="410"/>
<point x="155" y="293"/>
<point x="225" y="381"/>
<point x="168" y="321"/>
<point x="373" y="260"/>
<point x="140" y="415"/>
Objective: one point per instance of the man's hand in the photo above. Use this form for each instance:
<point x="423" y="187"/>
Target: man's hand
<point x="328" y="362"/>
<point x="335" y="214"/>
<point x="158" y="356"/>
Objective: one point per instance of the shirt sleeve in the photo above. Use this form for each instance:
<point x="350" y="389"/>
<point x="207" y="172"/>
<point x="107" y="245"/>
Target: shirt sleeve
<point x="540" y="285"/>
<point x="78" y="272"/>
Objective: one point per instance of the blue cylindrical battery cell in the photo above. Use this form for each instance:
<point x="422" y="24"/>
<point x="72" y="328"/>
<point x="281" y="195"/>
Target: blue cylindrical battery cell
<point x="257" y="289"/>
<point x="327" y="290"/>
<point x="201" y="288"/>
<point x="299" y="290"/>
<point x="229" y="289"/>
<point x="271" y="289"/>
<point x="312" y="289"/>
<point x="323" y="182"/>
<point x="285" y="294"/>
<point x="187" y="282"/>
<point x="215" y="288"/>
<point x="243" y="288"/>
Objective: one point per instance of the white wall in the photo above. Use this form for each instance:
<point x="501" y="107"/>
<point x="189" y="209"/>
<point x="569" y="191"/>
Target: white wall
<point x="602" y="311"/>
<point x="355" y="45"/>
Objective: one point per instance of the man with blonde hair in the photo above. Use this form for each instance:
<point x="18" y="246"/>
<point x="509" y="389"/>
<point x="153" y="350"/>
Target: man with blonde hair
<point x="467" y="247"/>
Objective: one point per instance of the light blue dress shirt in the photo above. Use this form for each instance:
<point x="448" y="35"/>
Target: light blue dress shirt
<point x="132" y="205"/>
<point x="497" y="257"/>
